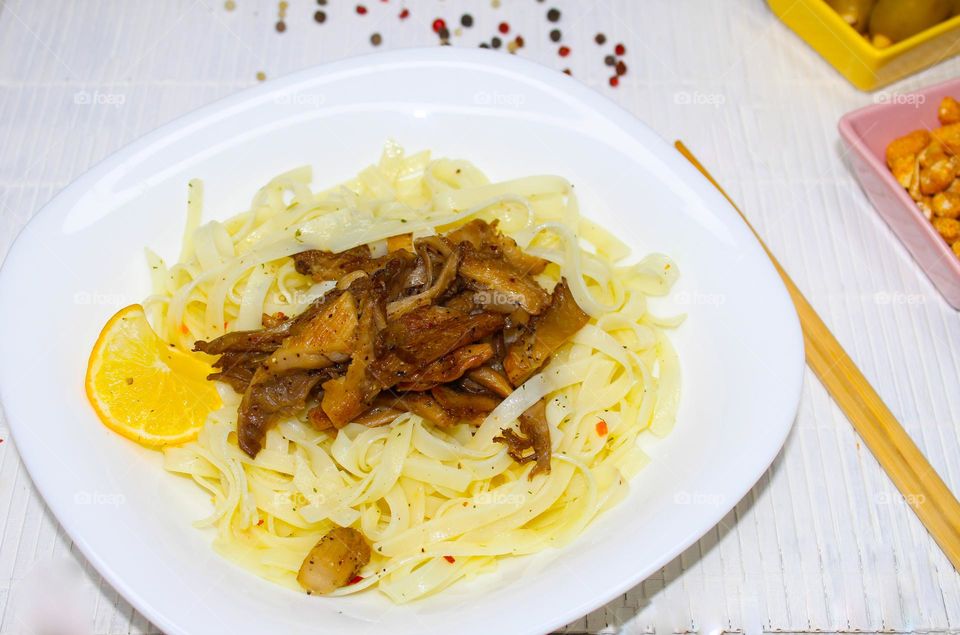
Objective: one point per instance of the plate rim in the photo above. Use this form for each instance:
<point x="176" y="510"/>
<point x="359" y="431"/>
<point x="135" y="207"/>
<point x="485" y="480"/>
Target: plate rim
<point x="585" y="97"/>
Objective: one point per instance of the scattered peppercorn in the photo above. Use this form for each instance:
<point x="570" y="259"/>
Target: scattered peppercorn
<point x="404" y="14"/>
<point x="466" y="20"/>
<point x="567" y="71"/>
<point x="439" y="24"/>
<point x="600" y="39"/>
<point x="261" y="76"/>
<point x="484" y="45"/>
<point x="503" y="28"/>
<point x="620" y="49"/>
<point x="362" y="10"/>
<point x="621" y="68"/>
<point x="320" y="17"/>
<point x="281" y="26"/>
<point x="376" y="39"/>
<point x="555" y="35"/>
<point x="519" y="41"/>
<point x="495" y="42"/>
<point x="564" y="51"/>
<point x="614" y="81"/>
<point x="229" y="5"/>
<point x="444" y="33"/>
<point x="553" y="15"/>
<point x="610" y="60"/>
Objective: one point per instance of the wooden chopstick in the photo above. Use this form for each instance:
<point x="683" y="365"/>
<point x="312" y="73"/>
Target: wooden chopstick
<point x="920" y="485"/>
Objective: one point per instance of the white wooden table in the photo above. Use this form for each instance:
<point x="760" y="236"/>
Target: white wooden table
<point x="823" y="543"/>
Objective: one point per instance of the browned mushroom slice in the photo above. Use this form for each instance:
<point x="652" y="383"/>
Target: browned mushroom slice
<point x="492" y="380"/>
<point x="487" y="238"/>
<point x="379" y="416"/>
<point x="334" y="561"/>
<point x="465" y="406"/>
<point x="448" y="368"/>
<point x="400" y="241"/>
<point x="319" y="419"/>
<point x="237" y="369"/>
<point x="503" y="283"/>
<point x="447" y="275"/>
<point x="348" y="396"/>
<point x="546" y="333"/>
<point x="425" y="335"/>
<point x="267" y="398"/>
<point x="265" y="340"/>
<point x="424" y="405"/>
<point x="326" y="265"/>
<point x="534" y="444"/>
<point x="328" y="338"/>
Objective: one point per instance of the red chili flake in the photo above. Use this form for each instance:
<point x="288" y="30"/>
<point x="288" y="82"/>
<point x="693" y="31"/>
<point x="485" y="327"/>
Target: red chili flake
<point x="439" y="24"/>
<point x="259" y="522"/>
<point x="362" y="10"/>
<point x="355" y="579"/>
<point x="620" y="49"/>
<point x="405" y="14"/>
<point x="184" y="329"/>
<point x="602" y="428"/>
<point x="450" y="559"/>
<point x="504" y="27"/>
<point x="614" y="81"/>
<point x="564" y="51"/>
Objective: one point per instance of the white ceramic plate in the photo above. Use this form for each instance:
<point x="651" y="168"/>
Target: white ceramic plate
<point x="81" y="259"/>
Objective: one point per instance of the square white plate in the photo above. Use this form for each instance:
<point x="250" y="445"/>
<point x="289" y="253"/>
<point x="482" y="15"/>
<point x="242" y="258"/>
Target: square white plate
<point x="81" y="258"/>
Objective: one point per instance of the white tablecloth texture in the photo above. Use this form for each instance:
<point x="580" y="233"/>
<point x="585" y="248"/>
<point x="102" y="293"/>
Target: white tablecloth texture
<point x="823" y="543"/>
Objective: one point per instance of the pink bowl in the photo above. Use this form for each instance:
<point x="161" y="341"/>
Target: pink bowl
<point x="867" y="132"/>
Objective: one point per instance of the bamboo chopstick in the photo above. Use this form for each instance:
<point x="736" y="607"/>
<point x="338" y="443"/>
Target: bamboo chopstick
<point x="920" y="485"/>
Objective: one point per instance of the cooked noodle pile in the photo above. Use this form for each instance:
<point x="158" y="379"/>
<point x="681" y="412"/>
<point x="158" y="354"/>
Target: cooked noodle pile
<point x="436" y="504"/>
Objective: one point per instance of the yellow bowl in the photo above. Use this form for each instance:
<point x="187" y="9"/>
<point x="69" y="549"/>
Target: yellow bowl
<point x="866" y="66"/>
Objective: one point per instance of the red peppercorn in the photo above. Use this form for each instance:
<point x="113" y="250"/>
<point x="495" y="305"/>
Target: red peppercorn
<point x="438" y="24"/>
<point x="614" y="81"/>
<point x="405" y="14"/>
<point x="504" y="27"/>
<point x="564" y="51"/>
<point x="519" y="41"/>
<point x="620" y="49"/>
<point x="362" y="10"/>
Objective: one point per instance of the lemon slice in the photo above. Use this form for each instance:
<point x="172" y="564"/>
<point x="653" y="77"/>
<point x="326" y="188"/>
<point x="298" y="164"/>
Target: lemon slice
<point x="144" y="388"/>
